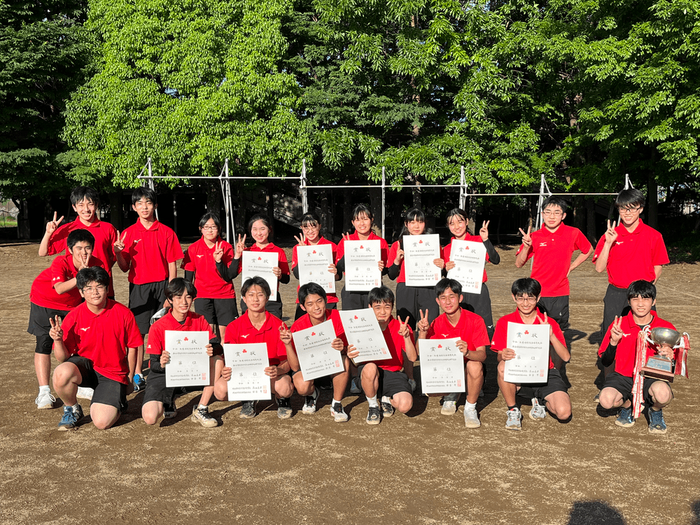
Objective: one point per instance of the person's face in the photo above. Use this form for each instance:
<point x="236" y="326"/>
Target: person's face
<point x="449" y="301"/>
<point x="210" y="231"/>
<point x="526" y="304"/>
<point x="85" y="210"/>
<point x="629" y="215"/>
<point x="144" y="208"/>
<point x="415" y="227"/>
<point x="182" y="304"/>
<point x="260" y="232"/>
<point x="362" y="224"/>
<point x="552" y="216"/>
<point x="81" y="252"/>
<point x="95" y="294"/>
<point x="382" y="311"/>
<point x="641" y="306"/>
<point x="457" y="226"/>
<point x="312" y="232"/>
<point x="315" y="306"/>
<point x="255" y="299"/>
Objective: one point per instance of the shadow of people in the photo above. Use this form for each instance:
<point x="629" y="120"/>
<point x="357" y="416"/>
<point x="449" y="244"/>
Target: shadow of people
<point x="696" y="513"/>
<point x="594" y="513"/>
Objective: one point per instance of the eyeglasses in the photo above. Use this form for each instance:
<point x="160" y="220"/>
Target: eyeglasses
<point x="521" y="299"/>
<point x="630" y="210"/>
<point x="550" y="213"/>
<point x="93" y="289"/>
<point x="210" y="228"/>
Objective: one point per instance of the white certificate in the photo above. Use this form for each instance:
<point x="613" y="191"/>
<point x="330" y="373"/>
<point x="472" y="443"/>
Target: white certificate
<point x="441" y="366"/>
<point x="313" y="266"/>
<point x="248" y="379"/>
<point x="189" y="362"/>
<point x="363" y="332"/>
<point x="531" y="345"/>
<point x="362" y="272"/>
<point x="316" y="356"/>
<point x="260" y="264"/>
<point x="420" y="252"/>
<point x="469" y="258"/>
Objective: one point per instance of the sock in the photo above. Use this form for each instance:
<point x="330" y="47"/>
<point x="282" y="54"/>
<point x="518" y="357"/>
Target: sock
<point x="511" y="408"/>
<point x="468" y="405"/>
<point x="372" y="401"/>
<point x="200" y="407"/>
<point x="386" y="399"/>
<point x="76" y="406"/>
<point x="44" y="389"/>
<point x="336" y="401"/>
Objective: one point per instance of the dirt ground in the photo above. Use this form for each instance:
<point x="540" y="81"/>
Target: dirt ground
<point x="420" y="468"/>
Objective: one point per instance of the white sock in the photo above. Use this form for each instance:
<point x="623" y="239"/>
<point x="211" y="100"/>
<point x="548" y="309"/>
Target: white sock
<point x="200" y="407"/>
<point x="76" y="406"/>
<point x="372" y="401"/>
<point x="44" y="389"/>
<point x="386" y="399"/>
<point x="336" y="401"/>
<point x="468" y="405"/>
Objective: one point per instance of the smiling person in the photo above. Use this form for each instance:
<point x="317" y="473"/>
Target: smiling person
<point x="473" y="340"/>
<point x="149" y="251"/>
<point x="208" y="264"/>
<point x="551" y="248"/>
<point x="96" y="345"/>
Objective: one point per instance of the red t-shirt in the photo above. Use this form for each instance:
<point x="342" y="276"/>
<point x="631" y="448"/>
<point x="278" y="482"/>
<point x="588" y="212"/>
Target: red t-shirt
<point x="61" y="270"/>
<point x="149" y="252"/>
<point x="199" y="259"/>
<point x="305" y="322"/>
<point x="470" y="328"/>
<point x="633" y="255"/>
<point x="627" y="347"/>
<point x="552" y="252"/>
<point x="156" y="334"/>
<point x="331" y="298"/>
<point x="281" y="261"/>
<point x="500" y="335"/>
<point x="384" y="247"/>
<point x="242" y="331"/>
<point x="396" y="346"/>
<point x="103" y="338"/>
<point x="447" y="250"/>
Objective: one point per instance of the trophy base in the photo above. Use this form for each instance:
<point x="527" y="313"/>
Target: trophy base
<point x="659" y="368"/>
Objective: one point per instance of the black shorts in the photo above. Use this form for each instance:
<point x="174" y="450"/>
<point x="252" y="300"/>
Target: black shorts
<point x="557" y="308"/>
<point x="144" y="301"/>
<point x="220" y="312"/>
<point x="390" y="383"/>
<point x="480" y="304"/>
<point x="39" y="326"/>
<point x="624" y="384"/>
<point x="354" y="300"/>
<point x="156" y="389"/>
<point x="411" y="299"/>
<point x="554" y="383"/>
<point x="107" y="391"/>
<point x="274" y="307"/>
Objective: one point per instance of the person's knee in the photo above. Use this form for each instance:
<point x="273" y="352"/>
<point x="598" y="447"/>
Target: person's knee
<point x="475" y="370"/>
<point x="662" y="394"/>
<point x="283" y="387"/>
<point x="221" y="390"/>
<point x="150" y="413"/>
<point x="370" y="372"/>
<point x="64" y="374"/>
<point x="609" y="398"/>
<point x="403" y="402"/>
<point x="104" y="418"/>
<point x="304" y="388"/>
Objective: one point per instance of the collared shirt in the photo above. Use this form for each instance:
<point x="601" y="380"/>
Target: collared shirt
<point x="242" y="331"/>
<point x="149" y="252"/>
<point x="43" y="292"/>
<point x="199" y="258"/>
<point x="156" y="334"/>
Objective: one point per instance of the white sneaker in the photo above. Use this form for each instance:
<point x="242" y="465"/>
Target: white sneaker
<point x="339" y="415"/>
<point x="471" y="418"/>
<point x="44" y="400"/>
<point x="537" y="411"/>
<point x="448" y="408"/>
<point x="513" y="421"/>
<point x="310" y="402"/>
<point x="84" y="393"/>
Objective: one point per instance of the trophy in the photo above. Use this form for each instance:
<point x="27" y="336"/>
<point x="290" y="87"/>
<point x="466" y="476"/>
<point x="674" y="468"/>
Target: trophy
<point x="657" y="366"/>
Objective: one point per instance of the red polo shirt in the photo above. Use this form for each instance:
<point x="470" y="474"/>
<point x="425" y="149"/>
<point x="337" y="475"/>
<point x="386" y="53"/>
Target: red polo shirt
<point x="384" y="247"/>
<point x="149" y="252"/>
<point x="396" y="346"/>
<point x="500" y="335"/>
<point x="242" y="331"/>
<point x="633" y="255"/>
<point x="199" y="258"/>
<point x="156" y="334"/>
<point x="305" y="322"/>
<point x="447" y="250"/>
<point x="331" y="298"/>
<point x="552" y="252"/>
<point x="470" y="328"/>
<point x="103" y="338"/>
<point x="627" y="347"/>
<point x="61" y="270"/>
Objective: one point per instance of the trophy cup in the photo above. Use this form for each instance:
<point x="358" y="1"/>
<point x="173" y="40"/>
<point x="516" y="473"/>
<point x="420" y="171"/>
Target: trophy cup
<point x="657" y="366"/>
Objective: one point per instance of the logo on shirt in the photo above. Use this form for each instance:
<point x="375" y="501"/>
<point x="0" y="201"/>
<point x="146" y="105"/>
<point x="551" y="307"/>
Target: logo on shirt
<point x="543" y="244"/>
<point x="85" y="329"/>
<point x="618" y="243"/>
<point x="137" y="240"/>
<point x="200" y="256"/>
<point x="445" y="335"/>
<point x="244" y="336"/>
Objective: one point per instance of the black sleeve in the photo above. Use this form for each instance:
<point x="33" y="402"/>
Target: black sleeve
<point x="155" y="363"/>
<point x="189" y="276"/>
<point x="608" y="356"/>
<point x="216" y="344"/>
<point x="494" y="257"/>
<point x="284" y="278"/>
<point x="295" y="271"/>
<point x="234" y="269"/>
<point x="223" y="271"/>
<point x="393" y="271"/>
<point x="340" y="265"/>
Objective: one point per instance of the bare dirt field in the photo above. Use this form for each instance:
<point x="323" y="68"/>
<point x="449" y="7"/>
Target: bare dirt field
<point x="420" y="468"/>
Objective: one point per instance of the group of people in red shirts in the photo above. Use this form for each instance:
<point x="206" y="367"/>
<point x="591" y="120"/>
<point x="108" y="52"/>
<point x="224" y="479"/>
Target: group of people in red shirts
<point x="99" y="343"/>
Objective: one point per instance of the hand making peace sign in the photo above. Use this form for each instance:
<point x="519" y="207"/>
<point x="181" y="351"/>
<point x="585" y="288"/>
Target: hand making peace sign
<point x="56" y="332"/>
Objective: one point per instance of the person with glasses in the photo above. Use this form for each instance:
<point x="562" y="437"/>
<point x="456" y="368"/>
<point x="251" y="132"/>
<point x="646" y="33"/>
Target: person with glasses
<point x="550" y="396"/>
<point x="550" y="249"/>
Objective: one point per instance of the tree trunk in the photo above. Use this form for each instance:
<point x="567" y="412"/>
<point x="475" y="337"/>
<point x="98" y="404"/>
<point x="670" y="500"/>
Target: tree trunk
<point x="116" y="217"/>
<point x="652" y="201"/>
<point x="23" y="228"/>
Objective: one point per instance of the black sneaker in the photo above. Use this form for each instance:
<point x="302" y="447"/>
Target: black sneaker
<point x="310" y="402"/>
<point x="387" y="408"/>
<point x="339" y="415"/>
<point x="169" y="411"/>
<point x="374" y="416"/>
<point x="248" y="410"/>
<point x="284" y="409"/>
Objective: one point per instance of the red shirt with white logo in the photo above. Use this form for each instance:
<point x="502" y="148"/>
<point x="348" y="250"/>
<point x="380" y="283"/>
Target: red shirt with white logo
<point x="156" y="334"/>
<point x="396" y="346"/>
<point x="199" y="258"/>
<point x="633" y="255"/>
<point x="242" y="331"/>
<point x="331" y="298"/>
<point x="500" y="335"/>
<point x="103" y="338"/>
<point x="44" y="294"/>
<point x="552" y="251"/>
<point x="331" y="315"/>
<point x="447" y="250"/>
<point x="149" y="251"/>
<point x="470" y="328"/>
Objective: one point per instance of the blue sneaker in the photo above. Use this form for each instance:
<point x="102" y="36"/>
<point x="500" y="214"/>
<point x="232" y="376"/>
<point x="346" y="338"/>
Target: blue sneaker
<point x="70" y="418"/>
<point x="657" y="425"/>
<point x="139" y="383"/>
<point x="625" y="419"/>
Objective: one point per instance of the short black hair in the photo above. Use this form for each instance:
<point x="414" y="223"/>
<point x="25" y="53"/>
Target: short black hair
<point x="311" y="289"/>
<point x="457" y="212"/>
<point x="553" y="200"/>
<point x="629" y="197"/>
<point x="362" y="209"/>
<point x="380" y="294"/>
<point x="443" y="284"/>
<point x="179" y="286"/>
<point x="526" y="285"/>
<point x="265" y="221"/>
<point x="144" y="193"/>
<point x="310" y="219"/>
<point x="641" y="288"/>
<point x="79" y="235"/>
<point x="205" y="219"/>
<point x="256" y="281"/>
<point x="94" y="274"/>
<point x="84" y="192"/>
